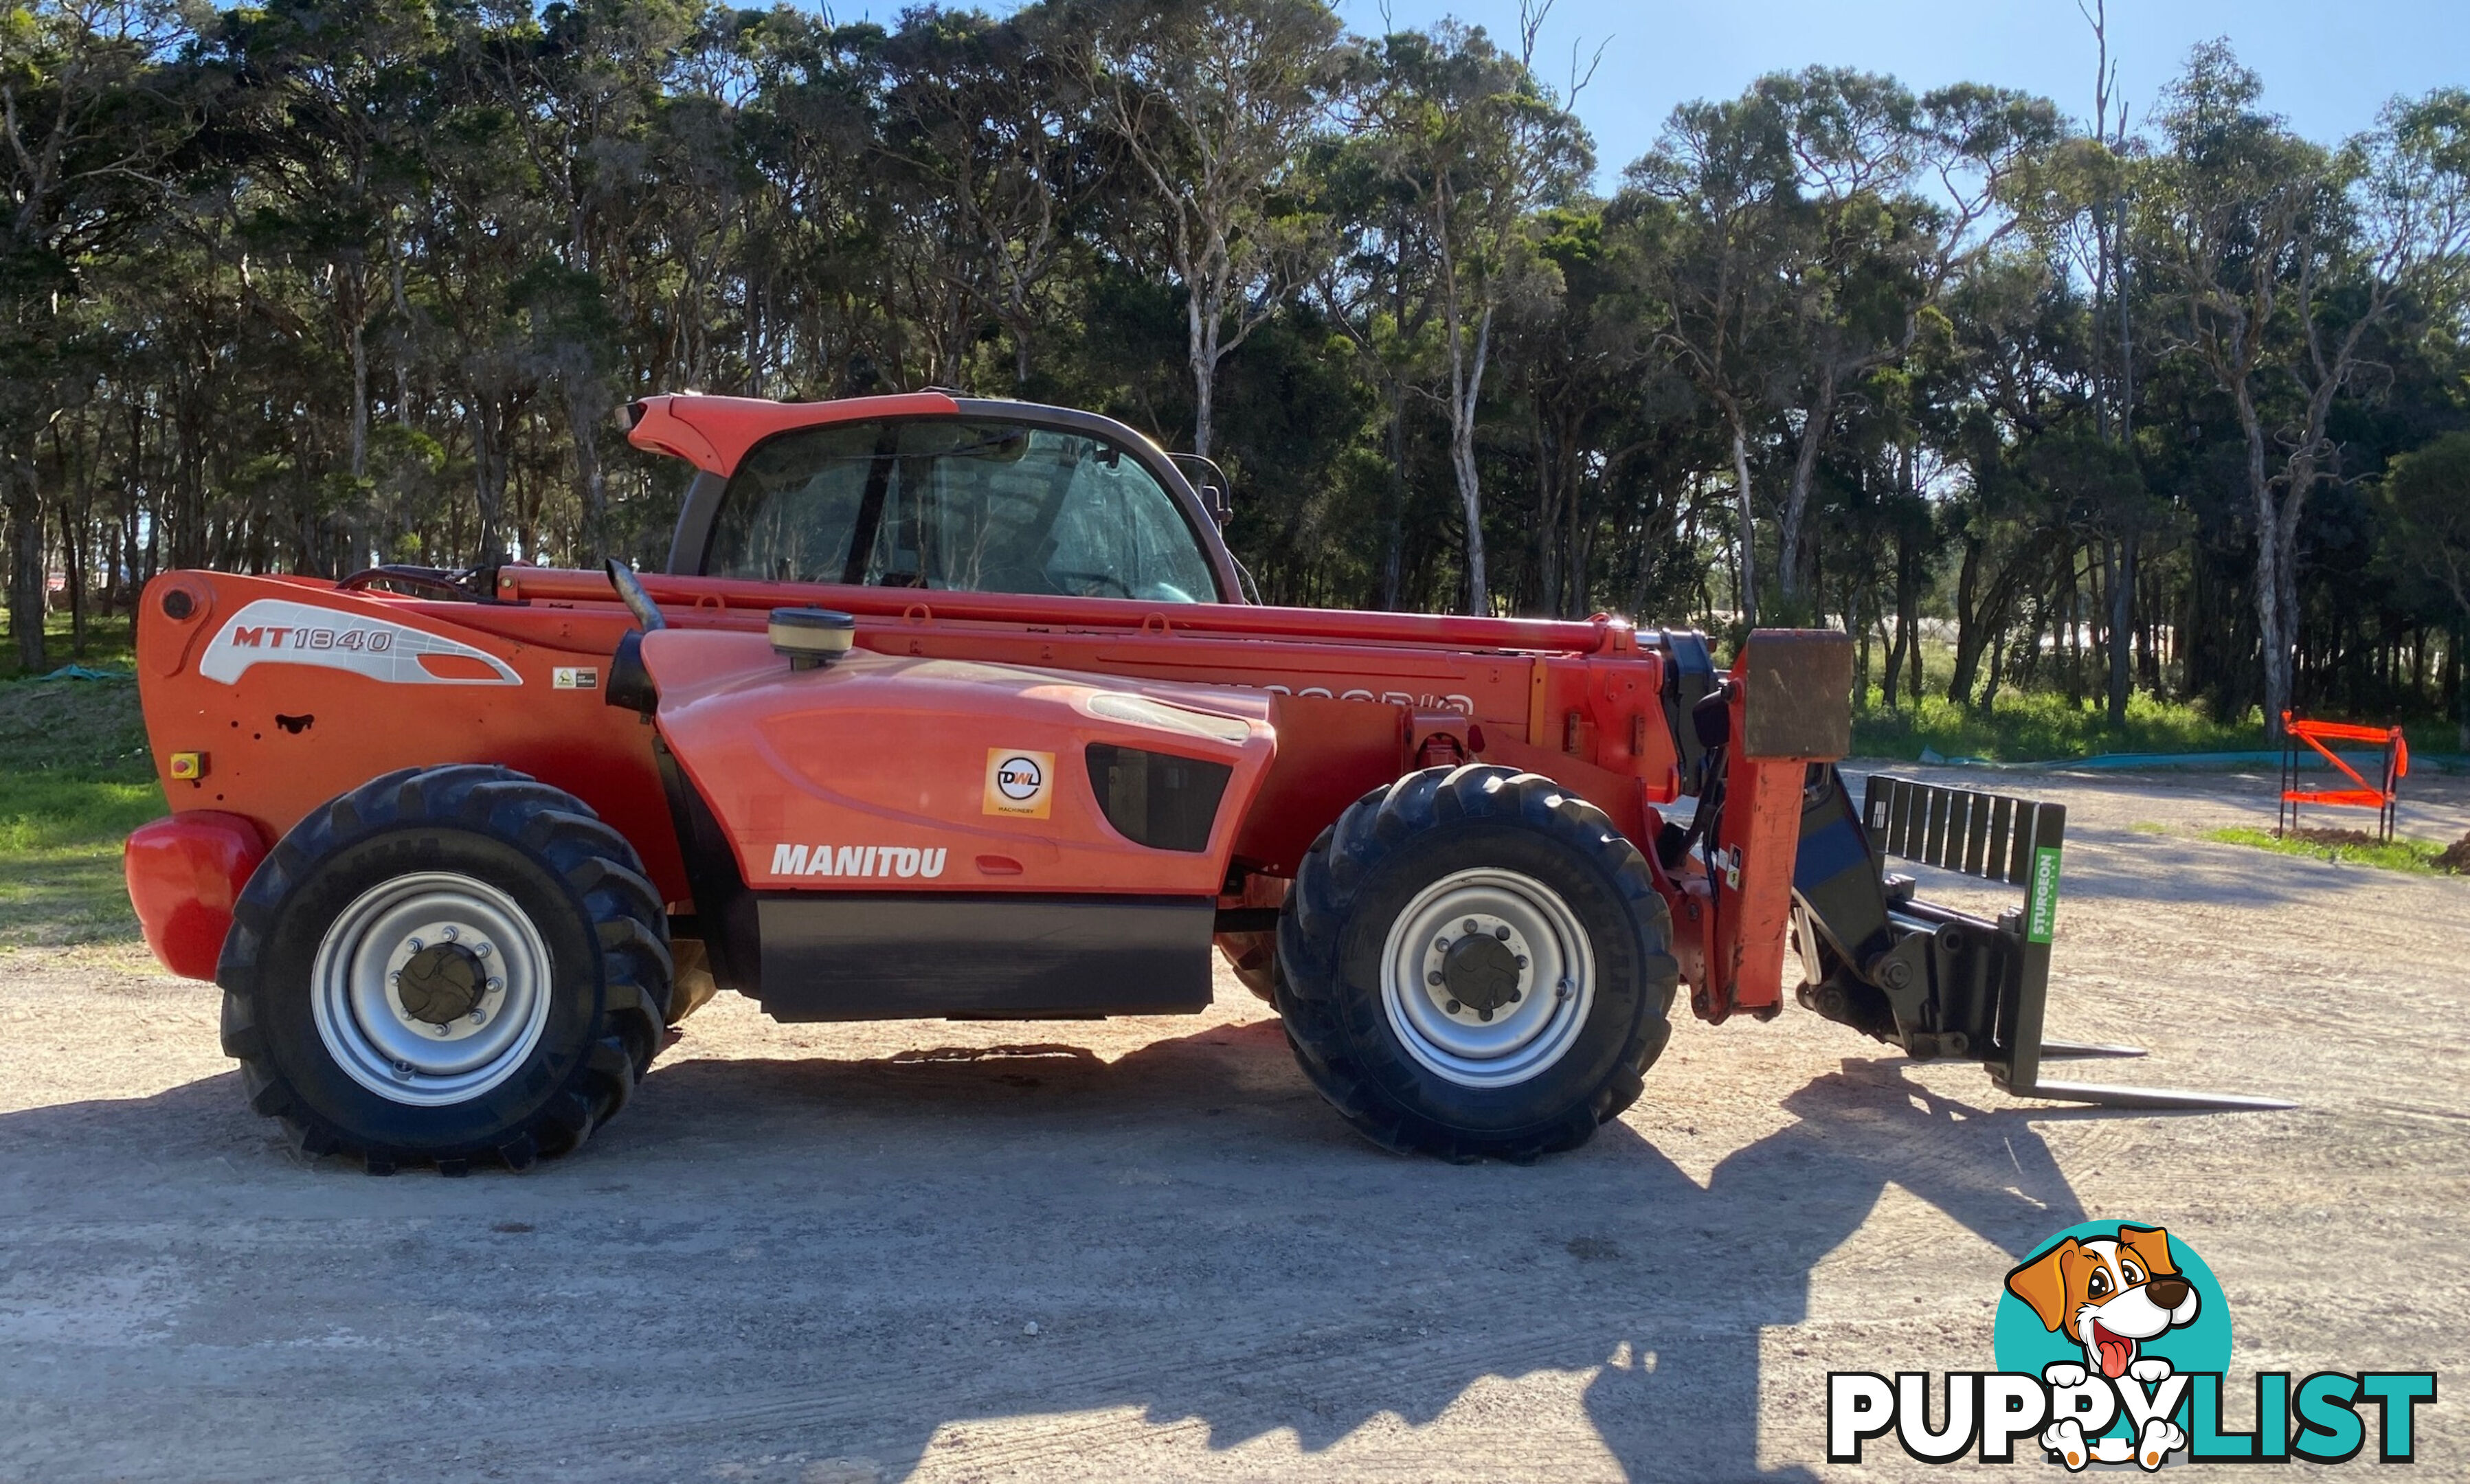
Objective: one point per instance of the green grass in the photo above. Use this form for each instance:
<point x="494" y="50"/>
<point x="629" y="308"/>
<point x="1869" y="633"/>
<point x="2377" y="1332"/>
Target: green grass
<point x="2024" y="727"/>
<point x="2041" y="726"/>
<point x="2398" y="854"/>
<point x="75" y="779"/>
<point x="111" y="644"/>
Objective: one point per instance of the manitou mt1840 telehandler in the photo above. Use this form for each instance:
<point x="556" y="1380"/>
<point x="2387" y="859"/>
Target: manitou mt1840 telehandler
<point x="953" y="708"/>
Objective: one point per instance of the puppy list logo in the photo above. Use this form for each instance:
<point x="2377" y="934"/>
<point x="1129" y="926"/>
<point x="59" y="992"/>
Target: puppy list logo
<point x="2112" y="1341"/>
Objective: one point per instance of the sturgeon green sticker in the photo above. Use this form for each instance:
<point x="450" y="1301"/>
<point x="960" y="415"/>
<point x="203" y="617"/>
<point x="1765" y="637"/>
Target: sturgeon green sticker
<point x="2042" y="914"/>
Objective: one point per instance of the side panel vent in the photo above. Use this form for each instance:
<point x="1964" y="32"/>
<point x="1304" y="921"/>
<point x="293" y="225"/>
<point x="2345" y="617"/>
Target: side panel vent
<point x="1157" y="799"/>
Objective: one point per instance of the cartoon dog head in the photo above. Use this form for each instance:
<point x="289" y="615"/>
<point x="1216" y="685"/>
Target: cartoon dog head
<point x="2108" y="1295"/>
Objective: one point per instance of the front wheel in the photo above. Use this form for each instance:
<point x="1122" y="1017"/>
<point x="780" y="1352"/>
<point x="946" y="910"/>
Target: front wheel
<point x="442" y="966"/>
<point x="1475" y="963"/>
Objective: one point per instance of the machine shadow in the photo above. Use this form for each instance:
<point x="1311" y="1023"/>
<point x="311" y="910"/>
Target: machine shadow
<point x="1202" y="1242"/>
<point x="1614" y="1260"/>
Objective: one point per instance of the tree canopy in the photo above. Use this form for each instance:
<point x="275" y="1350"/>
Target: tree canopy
<point x="316" y="283"/>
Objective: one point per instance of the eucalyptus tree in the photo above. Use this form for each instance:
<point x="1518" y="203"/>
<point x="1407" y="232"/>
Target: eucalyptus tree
<point x="1718" y="191"/>
<point x="589" y="92"/>
<point x="1475" y="146"/>
<point x="1214" y="104"/>
<point x="989" y="165"/>
<point x="2282" y="259"/>
<point x="1369" y="286"/>
<point x="1898" y="195"/>
<point x="2427" y="494"/>
<point x="1818" y="218"/>
<point x="329" y="89"/>
<point x="92" y="117"/>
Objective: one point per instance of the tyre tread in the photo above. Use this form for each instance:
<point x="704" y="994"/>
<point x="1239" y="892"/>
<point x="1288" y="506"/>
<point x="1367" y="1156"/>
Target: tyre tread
<point x="627" y="920"/>
<point x="1324" y="1021"/>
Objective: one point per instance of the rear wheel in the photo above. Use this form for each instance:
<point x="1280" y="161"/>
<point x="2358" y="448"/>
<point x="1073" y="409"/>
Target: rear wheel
<point x="445" y="964"/>
<point x="1475" y="963"/>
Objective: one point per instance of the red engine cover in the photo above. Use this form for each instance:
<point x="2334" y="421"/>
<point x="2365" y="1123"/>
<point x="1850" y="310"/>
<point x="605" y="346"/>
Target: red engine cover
<point x="890" y="772"/>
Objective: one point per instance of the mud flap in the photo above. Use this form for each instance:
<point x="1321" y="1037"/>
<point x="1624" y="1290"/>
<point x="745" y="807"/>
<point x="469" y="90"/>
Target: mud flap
<point x="1929" y="979"/>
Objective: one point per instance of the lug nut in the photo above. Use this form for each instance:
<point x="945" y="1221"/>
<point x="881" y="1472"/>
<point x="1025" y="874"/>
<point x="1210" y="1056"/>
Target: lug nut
<point x="1501" y="933"/>
<point x="1483" y="1015"/>
<point x="480" y="950"/>
<point x="1513" y="996"/>
<point x="1453" y="1007"/>
<point x="447" y="935"/>
<point x="395" y="977"/>
<point x="495" y="984"/>
<point x="1473" y="926"/>
<point x="1522" y="960"/>
<point x="413" y="947"/>
<point x="479" y="1017"/>
<point x="1433" y="978"/>
<point x="1565" y="990"/>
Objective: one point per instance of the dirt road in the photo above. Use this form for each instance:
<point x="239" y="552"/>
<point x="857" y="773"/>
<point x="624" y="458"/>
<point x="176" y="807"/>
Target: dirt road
<point x="1144" y="1249"/>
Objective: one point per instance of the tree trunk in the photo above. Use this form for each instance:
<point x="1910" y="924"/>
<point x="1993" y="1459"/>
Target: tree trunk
<point x="1921" y="671"/>
<point x="72" y="563"/>
<point x="1579" y="515"/>
<point x="2122" y="624"/>
<point x="2071" y="652"/>
<point x="591" y="481"/>
<point x="1479" y="594"/>
<point x="488" y="474"/>
<point x="1393" y="512"/>
<point x="1997" y="671"/>
<point x="358" y="330"/>
<point x="2459" y="661"/>
<point x="1968" y="627"/>
<point x="1796" y="502"/>
<point x="1749" y="583"/>
<point x="1466" y="385"/>
<point x="1202" y="322"/>
<point x="1903" y="636"/>
<point x="1546" y="534"/>
<point x="2272" y="618"/>
<point x="26" y="564"/>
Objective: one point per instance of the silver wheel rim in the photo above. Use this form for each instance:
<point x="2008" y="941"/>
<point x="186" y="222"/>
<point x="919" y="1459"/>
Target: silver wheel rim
<point x="406" y="1057"/>
<point x="1555" y="984"/>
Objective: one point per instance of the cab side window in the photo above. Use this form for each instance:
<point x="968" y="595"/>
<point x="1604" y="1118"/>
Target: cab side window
<point x="791" y="508"/>
<point x="961" y="506"/>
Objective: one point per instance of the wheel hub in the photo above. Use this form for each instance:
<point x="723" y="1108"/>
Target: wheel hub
<point x="1480" y="972"/>
<point x="431" y="988"/>
<point x="442" y="983"/>
<point x="1487" y="978"/>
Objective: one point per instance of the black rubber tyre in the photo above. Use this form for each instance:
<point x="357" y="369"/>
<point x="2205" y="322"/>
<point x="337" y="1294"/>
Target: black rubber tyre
<point x="1252" y="958"/>
<point x="576" y="881"/>
<point x="1366" y="869"/>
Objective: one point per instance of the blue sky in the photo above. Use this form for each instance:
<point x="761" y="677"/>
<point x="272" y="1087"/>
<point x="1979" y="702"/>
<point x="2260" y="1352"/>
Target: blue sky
<point x="2328" y="79"/>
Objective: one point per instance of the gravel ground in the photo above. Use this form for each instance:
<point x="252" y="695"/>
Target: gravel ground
<point x="1144" y="1249"/>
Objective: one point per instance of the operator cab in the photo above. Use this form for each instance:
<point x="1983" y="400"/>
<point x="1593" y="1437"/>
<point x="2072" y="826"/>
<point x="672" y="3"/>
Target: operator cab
<point x="978" y="502"/>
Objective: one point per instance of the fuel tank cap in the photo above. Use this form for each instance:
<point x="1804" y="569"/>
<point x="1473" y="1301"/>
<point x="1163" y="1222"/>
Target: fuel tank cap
<point x="811" y="637"/>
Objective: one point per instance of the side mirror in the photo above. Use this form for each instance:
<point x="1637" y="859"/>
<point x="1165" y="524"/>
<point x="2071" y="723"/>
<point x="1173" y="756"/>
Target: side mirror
<point x="1208" y="481"/>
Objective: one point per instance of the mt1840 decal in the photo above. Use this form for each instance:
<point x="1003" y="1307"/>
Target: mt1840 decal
<point x="275" y="631"/>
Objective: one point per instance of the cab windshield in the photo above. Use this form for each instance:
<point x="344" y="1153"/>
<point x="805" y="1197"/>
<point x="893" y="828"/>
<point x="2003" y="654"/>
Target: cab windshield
<point x="966" y="506"/>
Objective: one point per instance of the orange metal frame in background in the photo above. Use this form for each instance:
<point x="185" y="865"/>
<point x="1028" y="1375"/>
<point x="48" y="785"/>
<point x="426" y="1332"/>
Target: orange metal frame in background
<point x="2366" y="796"/>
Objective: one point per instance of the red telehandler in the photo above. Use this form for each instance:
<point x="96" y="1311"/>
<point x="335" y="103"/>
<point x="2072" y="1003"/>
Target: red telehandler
<point x="955" y="707"/>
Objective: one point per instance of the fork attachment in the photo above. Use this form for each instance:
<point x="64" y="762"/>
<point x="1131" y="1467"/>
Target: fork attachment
<point x="1929" y="979"/>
